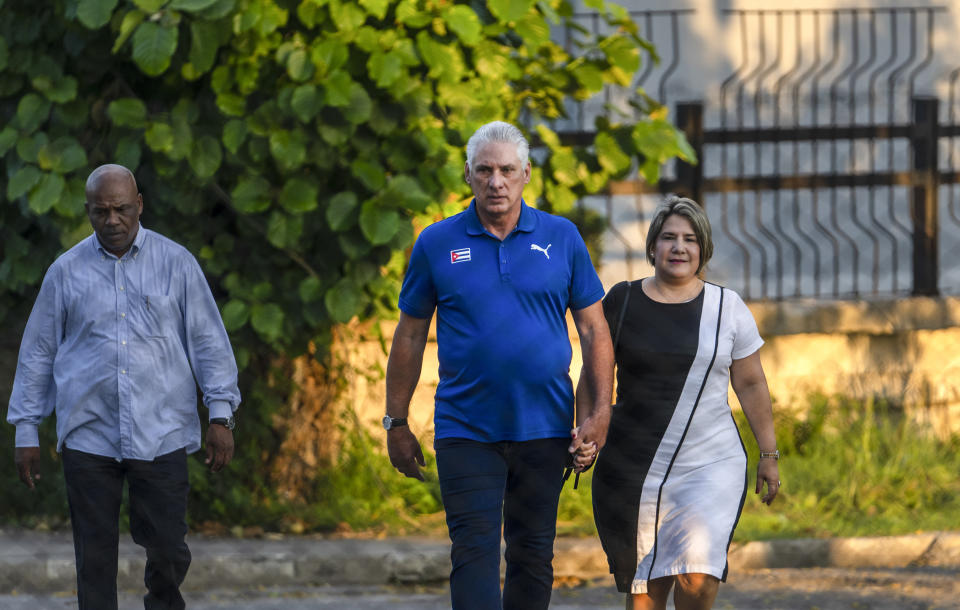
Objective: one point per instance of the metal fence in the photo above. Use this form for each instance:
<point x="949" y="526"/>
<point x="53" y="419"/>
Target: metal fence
<point x="823" y="172"/>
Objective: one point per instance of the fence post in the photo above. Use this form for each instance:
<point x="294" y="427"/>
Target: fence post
<point x="923" y="205"/>
<point x="690" y="177"/>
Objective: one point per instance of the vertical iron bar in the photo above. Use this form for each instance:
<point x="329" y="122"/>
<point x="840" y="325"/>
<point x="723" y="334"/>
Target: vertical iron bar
<point x="924" y="201"/>
<point x="690" y="177"/>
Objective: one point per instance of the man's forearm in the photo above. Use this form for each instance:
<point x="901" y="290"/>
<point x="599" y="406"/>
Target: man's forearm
<point x="595" y="387"/>
<point x="404" y="364"/>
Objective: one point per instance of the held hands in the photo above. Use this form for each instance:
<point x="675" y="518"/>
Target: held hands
<point x="27" y="460"/>
<point x="768" y="470"/>
<point x="219" y="447"/>
<point x="588" y="439"/>
<point x="405" y="453"/>
<point x="584" y="452"/>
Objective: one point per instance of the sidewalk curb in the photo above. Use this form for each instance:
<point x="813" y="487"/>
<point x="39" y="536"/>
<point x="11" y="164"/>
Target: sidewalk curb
<point x="32" y="561"/>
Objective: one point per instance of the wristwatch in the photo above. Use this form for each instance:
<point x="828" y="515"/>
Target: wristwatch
<point x="390" y="423"/>
<point x="227" y="422"/>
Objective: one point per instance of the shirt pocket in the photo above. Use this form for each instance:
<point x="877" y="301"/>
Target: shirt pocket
<point x="160" y="315"/>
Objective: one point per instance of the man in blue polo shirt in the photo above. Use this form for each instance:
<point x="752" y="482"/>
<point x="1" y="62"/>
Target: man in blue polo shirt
<point x="501" y="276"/>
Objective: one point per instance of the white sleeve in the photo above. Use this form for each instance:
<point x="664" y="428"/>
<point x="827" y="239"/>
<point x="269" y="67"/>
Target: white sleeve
<point x="746" y="338"/>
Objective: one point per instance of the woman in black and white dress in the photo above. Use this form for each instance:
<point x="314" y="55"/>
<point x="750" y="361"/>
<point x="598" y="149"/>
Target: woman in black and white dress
<point x="670" y="483"/>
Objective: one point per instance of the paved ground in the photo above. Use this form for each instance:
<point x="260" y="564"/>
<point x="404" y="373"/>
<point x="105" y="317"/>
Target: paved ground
<point x="776" y="589"/>
<point x="919" y="571"/>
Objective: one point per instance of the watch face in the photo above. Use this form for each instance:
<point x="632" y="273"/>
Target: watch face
<point x="386" y="422"/>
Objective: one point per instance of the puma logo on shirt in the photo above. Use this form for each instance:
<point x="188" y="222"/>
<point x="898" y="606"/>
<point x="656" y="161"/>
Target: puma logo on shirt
<point x="544" y="250"/>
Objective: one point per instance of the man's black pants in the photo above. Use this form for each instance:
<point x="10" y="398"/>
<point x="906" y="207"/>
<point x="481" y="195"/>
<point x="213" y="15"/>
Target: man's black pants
<point x="158" y="509"/>
<point x="519" y="482"/>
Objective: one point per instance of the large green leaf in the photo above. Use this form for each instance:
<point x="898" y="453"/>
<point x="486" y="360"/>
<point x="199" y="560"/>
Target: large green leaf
<point x="411" y="15"/>
<point x="192" y="6"/>
<point x="299" y="195"/>
<point x="251" y="194"/>
<point x="337" y="88"/>
<point x="153" y="47"/>
<point x="346" y="16"/>
<point x="127" y="112"/>
<point x="610" y="155"/>
<point x="220" y="8"/>
<point x="235" y="314"/>
<point x="509" y="10"/>
<point x="306" y="102"/>
<point x="378" y="225"/>
<point x="159" y="137"/>
<point x="150" y="6"/>
<point x="63" y="155"/>
<point x="32" y="111"/>
<point x="29" y="147"/>
<point x="310" y="289"/>
<point x="343" y="300"/>
<point x="622" y="53"/>
<point x="128" y="24"/>
<point x="464" y="23"/>
<point x="22" y="181"/>
<point x="46" y="194"/>
<point x="534" y="31"/>
<point x="267" y="320"/>
<point x="284" y="230"/>
<point x="385" y="68"/>
<point x="8" y="137"/>
<point x="370" y="173"/>
<point x="205" y="156"/>
<point x="328" y="55"/>
<point x="95" y="13"/>
<point x="289" y="148"/>
<point x="204" y="42"/>
<point x="377" y="8"/>
<point x="407" y="192"/>
<point x="128" y="152"/>
<point x="340" y="210"/>
<point x="299" y="66"/>
<point x="234" y="134"/>
<point x="360" y="107"/>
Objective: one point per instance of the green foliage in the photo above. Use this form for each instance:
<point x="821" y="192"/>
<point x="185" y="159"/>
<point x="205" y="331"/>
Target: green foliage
<point x="292" y="145"/>
<point x="852" y="468"/>
<point x="258" y="111"/>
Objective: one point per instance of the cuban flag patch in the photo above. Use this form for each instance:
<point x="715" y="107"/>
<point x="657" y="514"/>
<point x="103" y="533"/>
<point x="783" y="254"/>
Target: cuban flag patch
<point x="460" y="256"/>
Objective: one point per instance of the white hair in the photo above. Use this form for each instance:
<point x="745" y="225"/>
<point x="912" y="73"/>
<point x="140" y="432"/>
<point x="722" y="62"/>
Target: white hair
<point x="498" y="131"/>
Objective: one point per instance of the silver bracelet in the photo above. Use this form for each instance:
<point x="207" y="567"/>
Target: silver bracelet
<point x="775" y="454"/>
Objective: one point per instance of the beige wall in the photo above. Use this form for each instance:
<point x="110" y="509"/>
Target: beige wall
<point x="905" y="350"/>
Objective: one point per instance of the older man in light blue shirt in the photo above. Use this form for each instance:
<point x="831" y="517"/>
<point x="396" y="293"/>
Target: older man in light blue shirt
<point x="121" y="334"/>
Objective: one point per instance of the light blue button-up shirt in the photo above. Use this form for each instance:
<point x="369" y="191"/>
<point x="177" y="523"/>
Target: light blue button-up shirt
<point x="114" y="346"/>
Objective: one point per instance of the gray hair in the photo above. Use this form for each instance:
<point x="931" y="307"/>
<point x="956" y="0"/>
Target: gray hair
<point x="692" y="211"/>
<point x="498" y="131"/>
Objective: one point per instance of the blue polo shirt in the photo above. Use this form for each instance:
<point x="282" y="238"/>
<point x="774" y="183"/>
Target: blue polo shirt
<point x="501" y="306"/>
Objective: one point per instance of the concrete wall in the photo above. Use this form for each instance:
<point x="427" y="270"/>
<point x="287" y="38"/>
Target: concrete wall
<point x="905" y="350"/>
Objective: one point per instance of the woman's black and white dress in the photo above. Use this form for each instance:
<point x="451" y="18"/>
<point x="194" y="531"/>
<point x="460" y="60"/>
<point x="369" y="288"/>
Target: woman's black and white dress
<point x="669" y="485"/>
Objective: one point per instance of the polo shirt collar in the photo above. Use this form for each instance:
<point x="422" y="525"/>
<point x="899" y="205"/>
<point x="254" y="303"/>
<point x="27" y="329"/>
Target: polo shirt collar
<point x="527" y="222"/>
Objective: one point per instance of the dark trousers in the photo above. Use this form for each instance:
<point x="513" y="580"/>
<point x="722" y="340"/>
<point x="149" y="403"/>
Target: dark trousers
<point x="520" y="481"/>
<point x="158" y="509"/>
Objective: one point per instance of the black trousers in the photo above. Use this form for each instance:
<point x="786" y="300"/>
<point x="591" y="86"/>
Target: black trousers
<point x="158" y="510"/>
<point x="520" y="483"/>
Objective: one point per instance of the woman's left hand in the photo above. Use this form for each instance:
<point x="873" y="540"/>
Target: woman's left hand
<point x="768" y="470"/>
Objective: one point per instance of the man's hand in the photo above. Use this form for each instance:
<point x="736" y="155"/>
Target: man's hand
<point x="405" y="453"/>
<point x="27" y="460"/>
<point x="588" y="438"/>
<point x="219" y="447"/>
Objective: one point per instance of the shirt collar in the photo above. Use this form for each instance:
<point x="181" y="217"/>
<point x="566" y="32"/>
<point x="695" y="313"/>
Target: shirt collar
<point x="131" y="253"/>
<point x="527" y="222"/>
